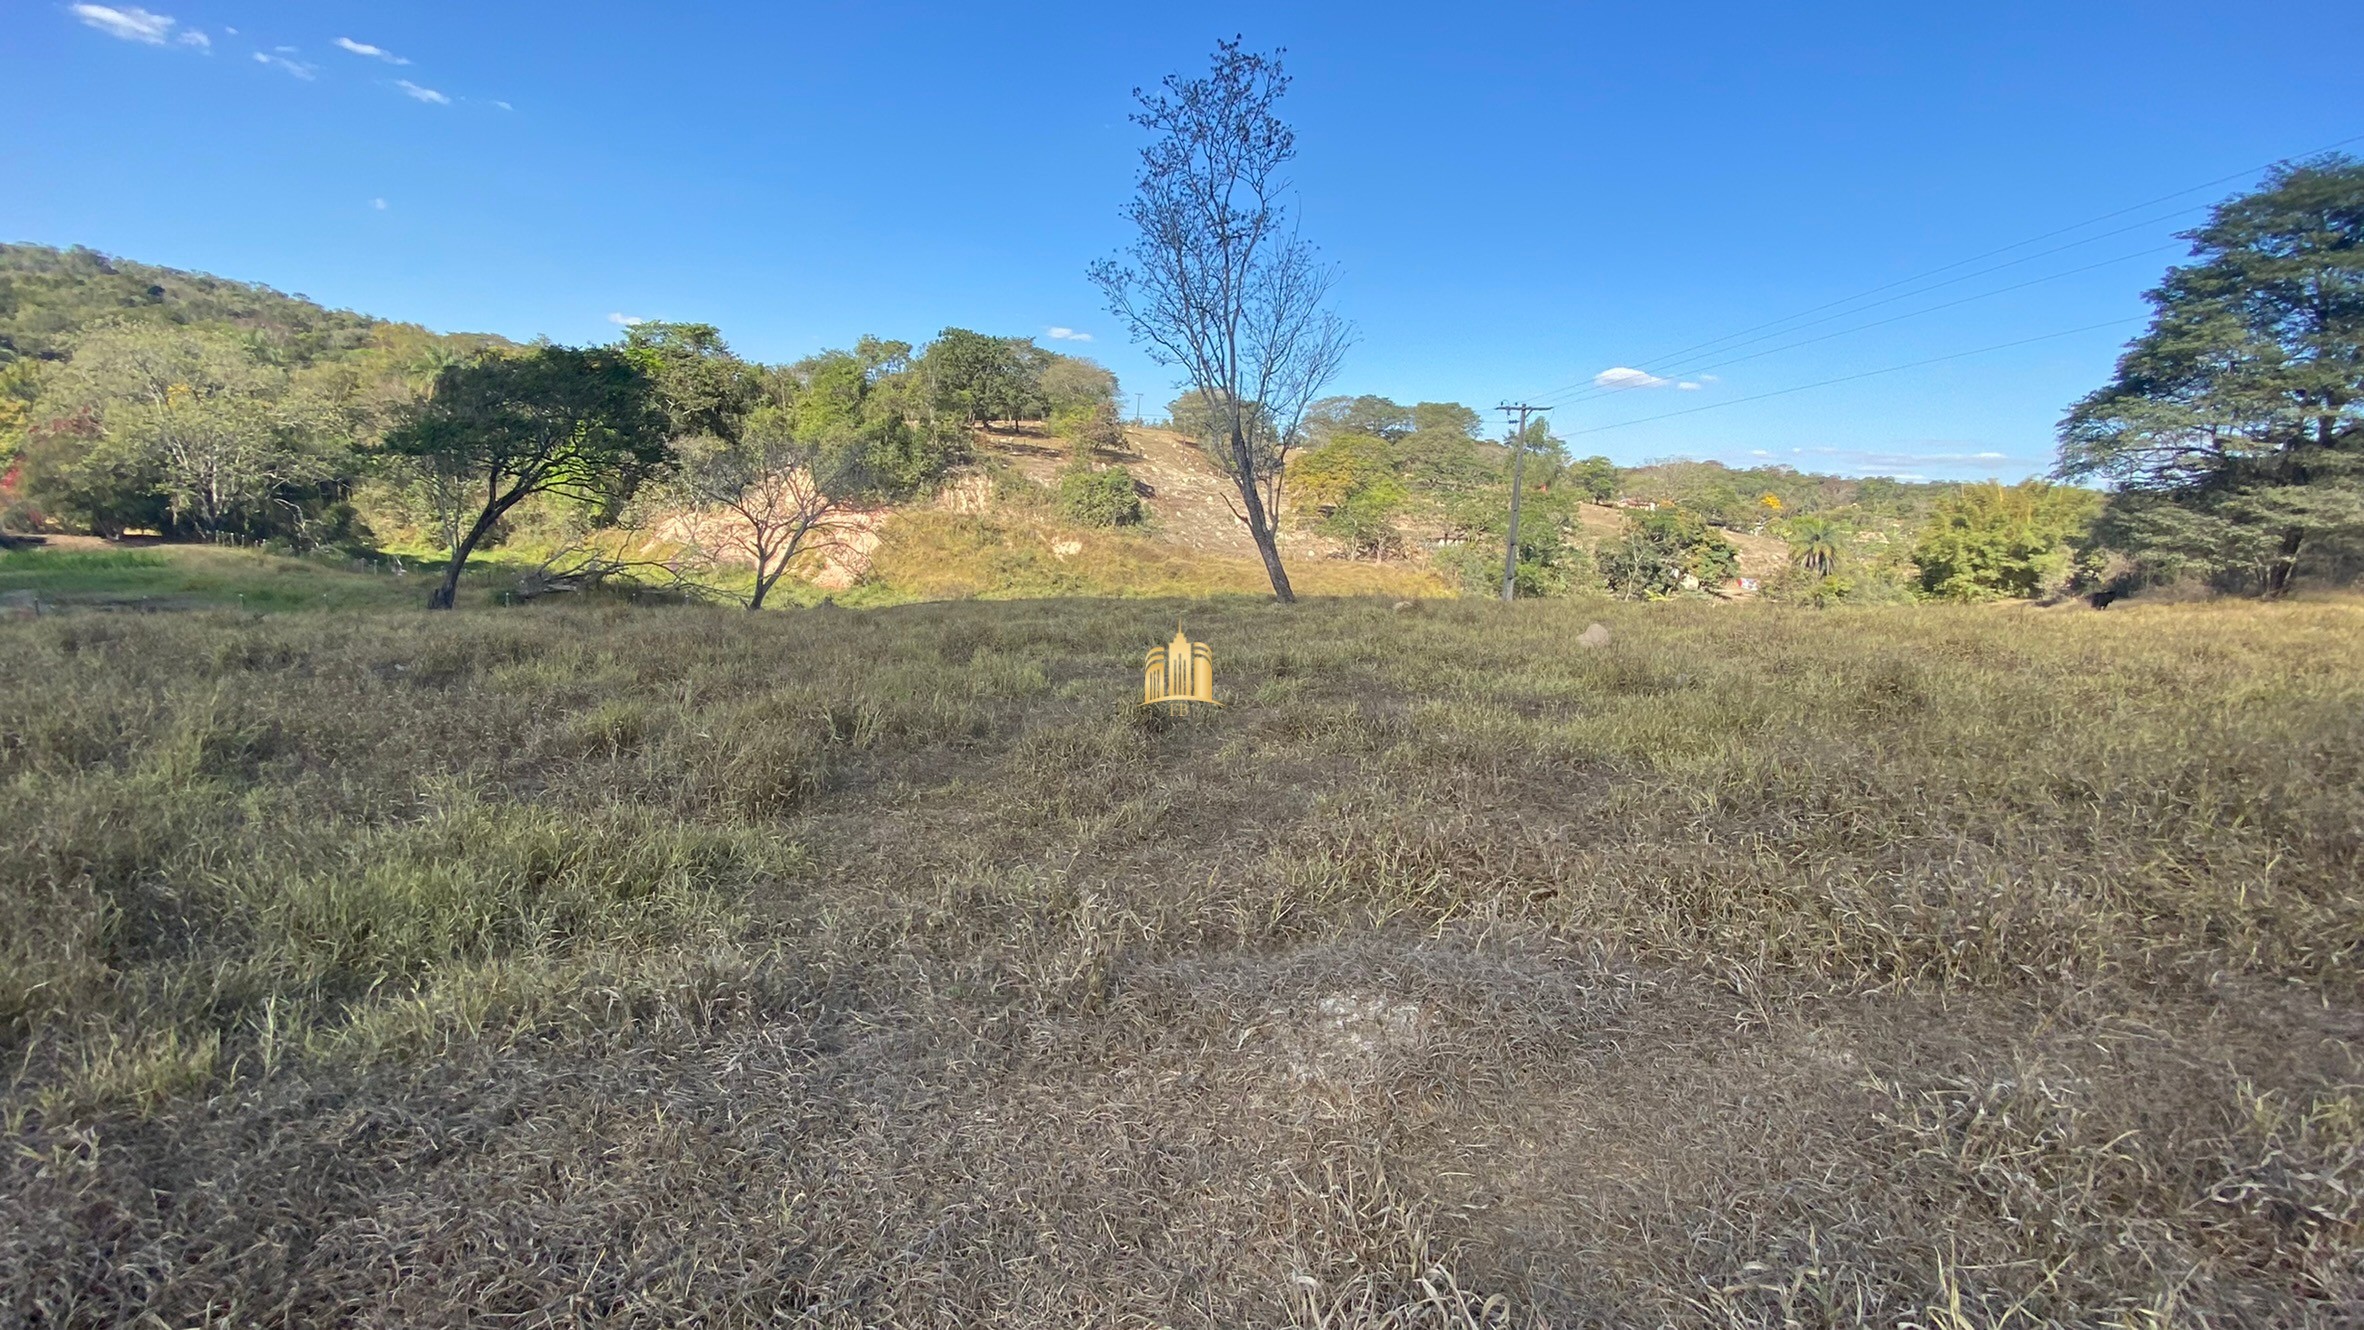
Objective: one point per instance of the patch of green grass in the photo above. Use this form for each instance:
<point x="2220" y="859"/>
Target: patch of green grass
<point x="181" y="577"/>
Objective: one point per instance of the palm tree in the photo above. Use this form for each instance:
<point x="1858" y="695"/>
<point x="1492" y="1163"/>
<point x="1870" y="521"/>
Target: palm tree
<point x="1814" y="544"/>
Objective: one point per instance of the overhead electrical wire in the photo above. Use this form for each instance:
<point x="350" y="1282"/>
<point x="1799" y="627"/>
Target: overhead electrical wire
<point x="1845" y="378"/>
<point x="1734" y="341"/>
<point x="1698" y="369"/>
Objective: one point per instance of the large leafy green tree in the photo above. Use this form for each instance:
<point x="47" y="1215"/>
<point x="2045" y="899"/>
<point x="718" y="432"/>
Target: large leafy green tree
<point x="980" y="378"/>
<point x="1072" y="383"/>
<point x="706" y="390"/>
<point x="584" y="424"/>
<point x="879" y="397"/>
<point x="1375" y="416"/>
<point x="2233" y="431"/>
<point x="1595" y="477"/>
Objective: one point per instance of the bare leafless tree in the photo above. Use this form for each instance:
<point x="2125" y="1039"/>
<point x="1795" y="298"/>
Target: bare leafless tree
<point x="1219" y="284"/>
<point x="767" y="498"/>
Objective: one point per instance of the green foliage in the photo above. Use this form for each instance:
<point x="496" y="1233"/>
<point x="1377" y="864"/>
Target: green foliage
<point x="1596" y="478"/>
<point x="583" y="424"/>
<point x="1814" y="544"/>
<point x="1090" y="427"/>
<point x="764" y="495"/>
<point x="1989" y="541"/>
<point x="977" y="378"/>
<point x="876" y="395"/>
<point x="1436" y="467"/>
<point x="188" y="431"/>
<point x="2234" y="427"/>
<point x="1099" y="496"/>
<point x="1550" y="562"/>
<point x="49" y="296"/>
<point x="1663" y="552"/>
<point x="1374" y="416"/>
<point x="1073" y="383"/>
<point x="705" y="389"/>
<point x="1350" y="488"/>
<point x="1733" y="497"/>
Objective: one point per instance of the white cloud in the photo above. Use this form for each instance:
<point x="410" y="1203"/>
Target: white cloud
<point x="131" y="23"/>
<point x="295" y="67"/>
<point x="1621" y="376"/>
<point x="625" y="320"/>
<point x="427" y="95"/>
<point x="373" y="52"/>
<point x="1690" y="387"/>
<point x="379" y="204"/>
<point x="505" y="106"/>
<point x="198" y="39"/>
<point x="1068" y="335"/>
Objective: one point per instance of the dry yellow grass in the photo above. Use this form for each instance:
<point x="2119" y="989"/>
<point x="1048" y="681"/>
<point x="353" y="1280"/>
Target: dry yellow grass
<point x="1924" y="967"/>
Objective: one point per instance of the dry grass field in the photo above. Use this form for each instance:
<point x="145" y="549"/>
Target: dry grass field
<point x="672" y="966"/>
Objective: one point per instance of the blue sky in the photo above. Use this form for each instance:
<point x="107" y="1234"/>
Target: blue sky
<point x="1519" y="197"/>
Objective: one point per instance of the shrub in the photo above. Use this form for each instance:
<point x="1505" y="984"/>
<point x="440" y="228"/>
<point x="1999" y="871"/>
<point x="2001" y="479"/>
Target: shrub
<point x="1660" y="549"/>
<point x="1090" y="428"/>
<point x="1102" y="497"/>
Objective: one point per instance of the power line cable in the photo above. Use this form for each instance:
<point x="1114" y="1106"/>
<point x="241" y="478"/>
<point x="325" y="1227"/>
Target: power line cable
<point x="1580" y="397"/>
<point x="1845" y="378"/>
<point x="1720" y="345"/>
<point x="1598" y="388"/>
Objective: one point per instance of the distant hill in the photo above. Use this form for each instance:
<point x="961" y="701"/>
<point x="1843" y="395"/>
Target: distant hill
<point x="47" y="295"/>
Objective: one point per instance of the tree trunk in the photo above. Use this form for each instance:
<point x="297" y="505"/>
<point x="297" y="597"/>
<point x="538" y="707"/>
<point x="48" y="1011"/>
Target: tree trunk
<point x="2285" y="564"/>
<point x="449" y="587"/>
<point x="1259" y="521"/>
<point x="448" y="590"/>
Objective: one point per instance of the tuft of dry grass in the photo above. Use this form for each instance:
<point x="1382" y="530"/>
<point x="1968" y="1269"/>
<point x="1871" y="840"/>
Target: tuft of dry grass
<point x="1929" y="967"/>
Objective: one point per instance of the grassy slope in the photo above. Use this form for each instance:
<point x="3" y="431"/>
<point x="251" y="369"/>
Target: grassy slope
<point x="927" y="555"/>
<point x="85" y="574"/>
<point x="1015" y="555"/>
<point x="1949" y="967"/>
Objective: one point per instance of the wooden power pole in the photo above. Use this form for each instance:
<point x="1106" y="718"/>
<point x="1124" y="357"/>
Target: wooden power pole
<point x="1518" y="474"/>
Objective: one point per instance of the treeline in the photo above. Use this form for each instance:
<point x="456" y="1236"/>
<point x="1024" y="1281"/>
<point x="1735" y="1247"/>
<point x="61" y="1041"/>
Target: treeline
<point x="139" y="399"/>
<point x="1389" y="481"/>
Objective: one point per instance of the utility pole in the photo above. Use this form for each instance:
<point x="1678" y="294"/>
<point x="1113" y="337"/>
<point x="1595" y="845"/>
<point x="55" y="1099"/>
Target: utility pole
<point x="1136" y="408"/>
<point x="1518" y="476"/>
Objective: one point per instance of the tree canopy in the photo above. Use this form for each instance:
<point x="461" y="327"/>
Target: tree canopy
<point x="584" y="424"/>
<point x="2233" y="430"/>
